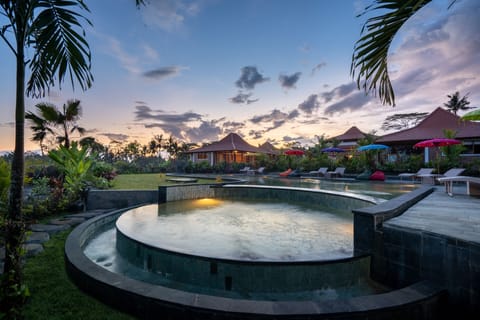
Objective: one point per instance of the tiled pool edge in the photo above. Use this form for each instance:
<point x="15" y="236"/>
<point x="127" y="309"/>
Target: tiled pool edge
<point x="417" y="301"/>
<point x="403" y="255"/>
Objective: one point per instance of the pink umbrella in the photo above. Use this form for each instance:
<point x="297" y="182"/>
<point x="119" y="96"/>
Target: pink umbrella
<point x="437" y="142"/>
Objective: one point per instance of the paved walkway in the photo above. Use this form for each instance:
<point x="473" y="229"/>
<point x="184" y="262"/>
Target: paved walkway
<point x="41" y="233"/>
<point x="457" y="217"/>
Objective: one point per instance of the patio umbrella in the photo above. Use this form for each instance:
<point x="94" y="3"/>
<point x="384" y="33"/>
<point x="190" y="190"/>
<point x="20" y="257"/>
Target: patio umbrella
<point x="295" y="152"/>
<point x="472" y="115"/>
<point x="373" y="147"/>
<point x="437" y="142"/>
<point x="332" y="149"/>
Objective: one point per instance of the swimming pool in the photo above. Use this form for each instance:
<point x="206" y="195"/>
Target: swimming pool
<point x="380" y="189"/>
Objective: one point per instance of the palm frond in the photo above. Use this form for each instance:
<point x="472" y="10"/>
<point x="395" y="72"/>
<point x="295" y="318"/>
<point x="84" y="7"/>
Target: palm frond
<point x="369" y="60"/>
<point x="59" y="49"/>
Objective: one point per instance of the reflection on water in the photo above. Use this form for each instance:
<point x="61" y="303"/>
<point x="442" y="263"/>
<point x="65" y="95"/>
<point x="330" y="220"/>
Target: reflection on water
<point x="242" y="230"/>
<point x="379" y="189"/>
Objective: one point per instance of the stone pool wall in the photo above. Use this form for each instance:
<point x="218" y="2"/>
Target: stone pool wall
<point x="402" y="256"/>
<point x="335" y="201"/>
<point x="232" y="278"/>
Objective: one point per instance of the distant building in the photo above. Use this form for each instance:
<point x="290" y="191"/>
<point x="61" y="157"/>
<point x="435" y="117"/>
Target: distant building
<point x="432" y="127"/>
<point x="348" y="140"/>
<point x="230" y="149"/>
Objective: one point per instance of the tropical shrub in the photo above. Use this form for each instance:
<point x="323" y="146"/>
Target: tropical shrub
<point x="75" y="165"/>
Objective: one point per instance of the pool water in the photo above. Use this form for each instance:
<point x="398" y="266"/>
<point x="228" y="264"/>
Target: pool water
<point x="378" y="189"/>
<point x="242" y="230"/>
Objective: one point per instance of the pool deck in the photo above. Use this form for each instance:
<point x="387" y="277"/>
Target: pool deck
<point x="456" y="216"/>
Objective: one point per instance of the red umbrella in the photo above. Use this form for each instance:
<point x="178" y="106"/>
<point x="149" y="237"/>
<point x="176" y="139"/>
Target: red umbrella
<point x="438" y="142"/>
<point x="295" y="152"/>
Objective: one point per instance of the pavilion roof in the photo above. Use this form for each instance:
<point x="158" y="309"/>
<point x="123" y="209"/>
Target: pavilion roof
<point x="267" y="147"/>
<point x="232" y="142"/>
<point x="432" y="127"/>
<point x="352" y="134"/>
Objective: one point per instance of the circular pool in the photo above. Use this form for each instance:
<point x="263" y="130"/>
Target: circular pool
<point x="241" y="230"/>
<point x="247" y="251"/>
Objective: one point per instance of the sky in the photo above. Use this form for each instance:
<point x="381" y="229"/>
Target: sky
<point x="269" y="70"/>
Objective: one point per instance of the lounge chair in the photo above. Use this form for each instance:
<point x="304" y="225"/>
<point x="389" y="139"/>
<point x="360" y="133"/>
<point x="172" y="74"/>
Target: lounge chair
<point x="295" y="173"/>
<point x="257" y="171"/>
<point x="473" y="184"/>
<point x="244" y="170"/>
<point x="320" y="172"/>
<point x="285" y="173"/>
<point x="422" y="171"/>
<point x="431" y="178"/>
<point x="339" y="172"/>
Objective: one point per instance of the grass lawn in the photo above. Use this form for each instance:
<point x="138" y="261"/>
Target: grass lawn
<point x="145" y="181"/>
<point x="53" y="295"/>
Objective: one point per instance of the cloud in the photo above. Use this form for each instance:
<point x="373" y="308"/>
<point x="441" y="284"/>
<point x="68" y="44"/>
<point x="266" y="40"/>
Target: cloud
<point x="352" y="102"/>
<point x="249" y="78"/>
<point x="318" y="67"/>
<point x="162" y="73"/>
<point x="339" y="92"/>
<point x="232" y="126"/>
<point x="7" y="124"/>
<point x="243" y="98"/>
<point x="274" y="115"/>
<point x="115" y="137"/>
<point x="288" y="82"/>
<point x="256" y="134"/>
<point x="207" y="131"/>
<point x="188" y="126"/>
<point x="115" y="50"/>
<point x="432" y="60"/>
<point x="146" y="113"/>
<point x="309" y="105"/>
<point x="273" y="120"/>
<point x="169" y="15"/>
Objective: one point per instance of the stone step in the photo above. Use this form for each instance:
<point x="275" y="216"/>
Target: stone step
<point x="71" y="221"/>
<point x="49" y="228"/>
<point x="32" y="249"/>
<point x="37" y="237"/>
<point x="87" y="214"/>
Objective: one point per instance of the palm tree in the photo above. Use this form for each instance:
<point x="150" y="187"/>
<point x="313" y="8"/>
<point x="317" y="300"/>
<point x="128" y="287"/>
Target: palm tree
<point x="65" y="120"/>
<point x="455" y="104"/>
<point x="40" y="130"/>
<point x="369" y="60"/>
<point x="49" y="28"/>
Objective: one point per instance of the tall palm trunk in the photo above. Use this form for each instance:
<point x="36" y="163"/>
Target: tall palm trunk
<point x="15" y="225"/>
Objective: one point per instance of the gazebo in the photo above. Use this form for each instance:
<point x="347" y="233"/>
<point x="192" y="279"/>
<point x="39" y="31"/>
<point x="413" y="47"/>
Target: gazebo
<point x="230" y="149"/>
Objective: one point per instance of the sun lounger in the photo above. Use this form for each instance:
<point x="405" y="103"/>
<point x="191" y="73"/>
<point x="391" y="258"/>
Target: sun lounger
<point x="422" y="171"/>
<point x="257" y="171"/>
<point x="473" y="184"/>
<point x="320" y="172"/>
<point x="431" y="178"/>
<point x="285" y="173"/>
<point x="244" y="170"/>
<point x="339" y="171"/>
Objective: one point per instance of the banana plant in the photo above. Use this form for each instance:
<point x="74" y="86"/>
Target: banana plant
<point x="75" y="164"/>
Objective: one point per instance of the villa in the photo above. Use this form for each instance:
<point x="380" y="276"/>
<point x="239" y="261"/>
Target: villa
<point x="230" y="149"/>
<point x="432" y="127"/>
<point x="348" y="140"/>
